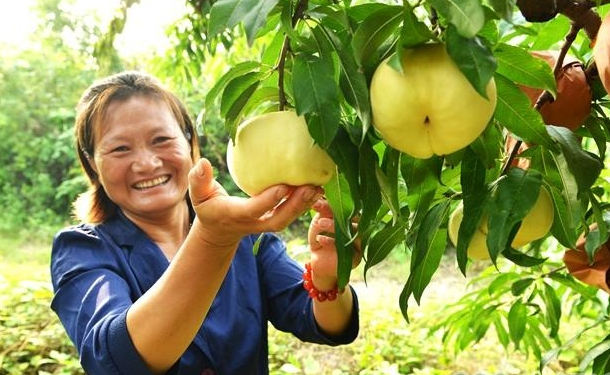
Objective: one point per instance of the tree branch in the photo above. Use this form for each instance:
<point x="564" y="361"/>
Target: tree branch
<point x="298" y="14"/>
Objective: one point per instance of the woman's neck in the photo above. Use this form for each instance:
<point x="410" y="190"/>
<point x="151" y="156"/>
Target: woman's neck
<point x="167" y="230"/>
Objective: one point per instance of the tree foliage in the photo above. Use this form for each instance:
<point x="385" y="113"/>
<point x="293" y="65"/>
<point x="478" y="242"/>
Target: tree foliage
<point x="40" y="87"/>
<point x="317" y="57"/>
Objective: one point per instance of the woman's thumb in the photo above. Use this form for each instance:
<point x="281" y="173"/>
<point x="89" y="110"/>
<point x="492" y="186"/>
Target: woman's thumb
<point x="201" y="181"/>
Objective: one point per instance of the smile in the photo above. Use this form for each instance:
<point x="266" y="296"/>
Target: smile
<point x="151" y="183"/>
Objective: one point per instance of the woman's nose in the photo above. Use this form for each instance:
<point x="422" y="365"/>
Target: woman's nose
<point x="145" y="160"/>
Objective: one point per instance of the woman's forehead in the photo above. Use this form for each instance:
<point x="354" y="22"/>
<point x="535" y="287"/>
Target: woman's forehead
<point x="139" y="112"/>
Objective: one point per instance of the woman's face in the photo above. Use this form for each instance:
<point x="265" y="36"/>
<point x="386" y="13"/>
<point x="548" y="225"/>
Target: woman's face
<point x="142" y="157"/>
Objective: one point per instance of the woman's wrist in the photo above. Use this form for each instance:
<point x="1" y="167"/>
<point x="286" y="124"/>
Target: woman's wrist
<point x="321" y="290"/>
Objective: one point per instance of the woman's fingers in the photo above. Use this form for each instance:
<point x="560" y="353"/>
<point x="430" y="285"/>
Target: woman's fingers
<point x="292" y="206"/>
<point x="202" y="185"/>
<point x="323" y="208"/>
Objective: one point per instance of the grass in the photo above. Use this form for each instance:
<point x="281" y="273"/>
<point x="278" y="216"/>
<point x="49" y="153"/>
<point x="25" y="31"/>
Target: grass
<point x="387" y="344"/>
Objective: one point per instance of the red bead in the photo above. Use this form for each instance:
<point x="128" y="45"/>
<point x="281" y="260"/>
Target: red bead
<point x="313" y="293"/>
<point x="332" y="294"/>
<point x="307" y="285"/>
<point x="306" y="276"/>
<point x="322" y="296"/>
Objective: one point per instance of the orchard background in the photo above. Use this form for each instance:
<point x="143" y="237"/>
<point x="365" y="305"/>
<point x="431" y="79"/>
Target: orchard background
<point x="233" y="59"/>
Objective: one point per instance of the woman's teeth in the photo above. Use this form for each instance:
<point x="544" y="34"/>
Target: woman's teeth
<point x="151" y="183"/>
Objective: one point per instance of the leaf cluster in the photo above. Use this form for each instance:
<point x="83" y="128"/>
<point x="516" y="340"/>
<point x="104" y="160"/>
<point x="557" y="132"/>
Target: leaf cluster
<point x="318" y="57"/>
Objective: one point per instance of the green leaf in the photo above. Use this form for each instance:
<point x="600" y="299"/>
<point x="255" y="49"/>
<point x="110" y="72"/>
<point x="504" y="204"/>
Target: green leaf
<point x="554" y="353"/>
<point x="387" y="176"/>
<point x="601" y="364"/>
<point x="566" y="205"/>
<point x="523" y="68"/>
<point x="504" y="8"/>
<point x="257" y="244"/>
<point x="345" y="155"/>
<point x="474" y="192"/>
<point x="235" y="97"/>
<point x="370" y="190"/>
<point x="345" y="254"/>
<point x="522" y="259"/>
<point x="516" y="322"/>
<point x="467" y="16"/>
<point x="501" y="331"/>
<point x="351" y="80"/>
<point x="429" y="248"/>
<point x="225" y="14"/>
<point x="553" y="309"/>
<point x="600" y="350"/>
<point x="316" y="96"/>
<point x="375" y="30"/>
<point x="519" y="286"/>
<point x="413" y="32"/>
<point x="498" y="285"/>
<point x="474" y="59"/>
<point x="550" y="33"/>
<point x="383" y="242"/>
<point x="486" y="146"/>
<point x="515" y="113"/>
<point x="585" y="166"/>
<point x="569" y="281"/>
<point x="422" y="179"/>
<point x="514" y="196"/>
<point x="235" y="71"/>
<point x="595" y="126"/>
<point x="339" y="198"/>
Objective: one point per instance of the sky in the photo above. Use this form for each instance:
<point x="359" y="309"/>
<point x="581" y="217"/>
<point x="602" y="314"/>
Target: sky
<point x="144" y="30"/>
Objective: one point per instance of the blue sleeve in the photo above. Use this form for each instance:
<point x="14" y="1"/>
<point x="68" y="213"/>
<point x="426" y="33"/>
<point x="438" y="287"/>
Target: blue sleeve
<point x="290" y="309"/>
<point x="92" y="300"/>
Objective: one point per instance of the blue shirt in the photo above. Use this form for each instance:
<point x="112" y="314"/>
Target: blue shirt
<point x="99" y="271"/>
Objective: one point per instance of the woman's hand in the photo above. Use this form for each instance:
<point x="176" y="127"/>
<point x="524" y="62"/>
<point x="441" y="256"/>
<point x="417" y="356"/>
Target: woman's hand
<point x="224" y="219"/>
<point x="322" y="247"/>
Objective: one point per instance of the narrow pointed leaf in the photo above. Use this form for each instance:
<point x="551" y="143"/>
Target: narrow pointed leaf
<point x="235" y="71"/>
<point x="517" y="321"/>
<point x="523" y="68"/>
<point x="514" y="111"/>
<point x="515" y="195"/>
<point x="352" y="80"/>
<point x="315" y="92"/>
<point x="467" y="16"/>
<point x="383" y="242"/>
<point x="584" y="165"/>
<point x="474" y="59"/>
<point x="413" y="32"/>
<point x="374" y="31"/>
<point x="474" y="191"/>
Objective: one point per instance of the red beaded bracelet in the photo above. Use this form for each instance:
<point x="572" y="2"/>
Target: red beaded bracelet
<point x="329" y="295"/>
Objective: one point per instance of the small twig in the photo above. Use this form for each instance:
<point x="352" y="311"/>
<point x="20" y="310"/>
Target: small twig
<point x="546" y="96"/>
<point x="511" y="157"/>
<point x="298" y="14"/>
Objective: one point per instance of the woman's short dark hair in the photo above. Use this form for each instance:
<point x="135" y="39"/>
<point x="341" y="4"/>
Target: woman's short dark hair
<point x="94" y="206"/>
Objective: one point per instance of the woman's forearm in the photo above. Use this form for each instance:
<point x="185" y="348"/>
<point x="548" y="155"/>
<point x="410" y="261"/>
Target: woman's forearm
<point x="164" y="321"/>
<point x="333" y="317"/>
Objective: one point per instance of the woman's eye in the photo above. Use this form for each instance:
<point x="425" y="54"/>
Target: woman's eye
<point x="162" y="139"/>
<point x="120" y="149"/>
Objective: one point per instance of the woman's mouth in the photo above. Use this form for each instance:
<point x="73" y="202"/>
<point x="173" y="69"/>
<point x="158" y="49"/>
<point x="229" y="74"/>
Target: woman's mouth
<point x="151" y="183"/>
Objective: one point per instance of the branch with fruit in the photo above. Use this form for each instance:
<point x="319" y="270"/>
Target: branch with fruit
<point x="478" y="133"/>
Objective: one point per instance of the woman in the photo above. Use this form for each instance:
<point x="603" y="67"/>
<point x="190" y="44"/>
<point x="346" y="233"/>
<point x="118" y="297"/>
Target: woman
<point x="160" y="276"/>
